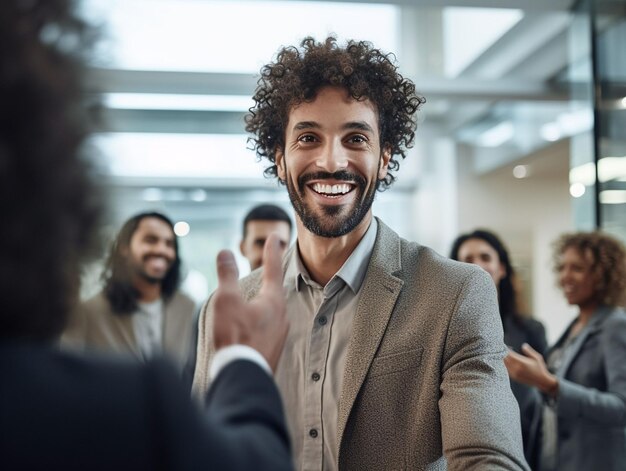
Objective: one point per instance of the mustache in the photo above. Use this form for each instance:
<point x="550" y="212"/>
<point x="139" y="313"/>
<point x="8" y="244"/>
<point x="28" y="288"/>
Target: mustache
<point x="149" y="256"/>
<point x="340" y="175"/>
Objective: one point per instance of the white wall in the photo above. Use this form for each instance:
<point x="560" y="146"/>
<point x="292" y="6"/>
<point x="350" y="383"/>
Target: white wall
<point x="528" y="214"/>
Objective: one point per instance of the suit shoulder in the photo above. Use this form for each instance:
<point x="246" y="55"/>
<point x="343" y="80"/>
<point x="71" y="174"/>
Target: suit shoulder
<point x="430" y="263"/>
<point x="616" y="321"/>
<point x="183" y="301"/>
<point x="97" y="300"/>
<point x="96" y="307"/>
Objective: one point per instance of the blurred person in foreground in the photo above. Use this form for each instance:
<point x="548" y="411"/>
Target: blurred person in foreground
<point x="582" y="379"/>
<point x="60" y="411"/>
<point x="259" y="223"/>
<point x="394" y="357"/>
<point x="140" y="312"/>
<point x="485" y="249"/>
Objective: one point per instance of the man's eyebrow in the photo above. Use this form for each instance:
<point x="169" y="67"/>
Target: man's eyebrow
<point x="359" y="126"/>
<point x="306" y="125"/>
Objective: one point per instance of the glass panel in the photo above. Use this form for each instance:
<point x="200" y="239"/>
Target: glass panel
<point x="611" y="75"/>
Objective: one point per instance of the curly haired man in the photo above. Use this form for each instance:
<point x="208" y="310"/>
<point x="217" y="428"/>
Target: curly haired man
<point x="394" y="356"/>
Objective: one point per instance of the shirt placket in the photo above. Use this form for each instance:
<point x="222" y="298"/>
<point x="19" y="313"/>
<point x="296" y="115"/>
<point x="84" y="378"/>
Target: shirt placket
<point x="316" y="365"/>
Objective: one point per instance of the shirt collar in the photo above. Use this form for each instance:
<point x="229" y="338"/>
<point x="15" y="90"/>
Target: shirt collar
<point x="351" y="273"/>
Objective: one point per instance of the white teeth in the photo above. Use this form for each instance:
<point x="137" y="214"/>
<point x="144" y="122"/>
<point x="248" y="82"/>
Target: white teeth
<point x="339" y="189"/>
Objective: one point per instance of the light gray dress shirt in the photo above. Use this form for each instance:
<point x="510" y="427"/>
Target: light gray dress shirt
<point x="310" y="370"/>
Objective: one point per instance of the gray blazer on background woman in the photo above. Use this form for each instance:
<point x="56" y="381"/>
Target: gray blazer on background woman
<point x="581" y="419"/>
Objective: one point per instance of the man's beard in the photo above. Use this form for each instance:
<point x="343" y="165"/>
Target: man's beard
<point x="331" y="223"/>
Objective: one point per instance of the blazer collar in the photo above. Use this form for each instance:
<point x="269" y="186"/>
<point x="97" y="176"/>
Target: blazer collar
<point x="379" y="292"/>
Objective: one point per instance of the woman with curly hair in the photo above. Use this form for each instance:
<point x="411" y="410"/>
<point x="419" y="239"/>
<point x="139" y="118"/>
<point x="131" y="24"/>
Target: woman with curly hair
<point x="582" y="381"/>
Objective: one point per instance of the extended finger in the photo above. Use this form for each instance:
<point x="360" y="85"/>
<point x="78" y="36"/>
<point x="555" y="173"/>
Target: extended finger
<point x="272" y="264"/>
<point x="227" y="272"/>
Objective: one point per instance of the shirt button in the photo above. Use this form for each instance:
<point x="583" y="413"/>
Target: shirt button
<point x="315" y="376"/>
<point x="313" y="433"/>
<point x="322" y="320"/>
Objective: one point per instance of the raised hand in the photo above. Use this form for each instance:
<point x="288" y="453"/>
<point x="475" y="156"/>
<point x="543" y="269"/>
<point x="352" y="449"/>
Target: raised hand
<point x="530" y="368"/>
<point x="261" y="323"/>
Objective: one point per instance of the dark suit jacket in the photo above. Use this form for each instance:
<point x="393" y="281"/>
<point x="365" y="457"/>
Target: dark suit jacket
<point x="58" y="411"/>
<point x="517" y="331"/>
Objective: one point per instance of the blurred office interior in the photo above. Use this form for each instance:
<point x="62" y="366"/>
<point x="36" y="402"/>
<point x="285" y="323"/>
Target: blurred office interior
<point x="523" y="132"/>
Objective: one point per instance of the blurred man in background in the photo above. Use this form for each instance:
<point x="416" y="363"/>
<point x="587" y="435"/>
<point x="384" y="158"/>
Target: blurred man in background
<point x="259" y="223"/>
<point x="140" y="311"/>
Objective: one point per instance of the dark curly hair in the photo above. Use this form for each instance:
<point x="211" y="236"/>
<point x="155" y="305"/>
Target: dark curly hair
<point x="118" y="287"/>
<point x="507" y="297"/>
<point x="47" y="200"/>
<point x="366" y="72"/>
<point x="609" y="262"/>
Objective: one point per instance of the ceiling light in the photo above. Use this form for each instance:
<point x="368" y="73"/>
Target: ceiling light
<point x="198" y="195"/>
<point x="577" y="190"/>
<point x="609" y="169"/>
<point x="181" y="228"/>
<point x="613" y="197"/>
<point x="152" y="194"/>
<point x="497" y="135"/>
<point x="164" y="101"/>
<point x="520" y="171"/>
<point x="550" y="132"/>
<point x="576" y="121"/>
<point x="584" y="174"/>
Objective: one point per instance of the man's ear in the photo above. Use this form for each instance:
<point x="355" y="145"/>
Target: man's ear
<point x="280" y="165"/>
<point x="385" y="157"/>
<point x="242" y="248"/>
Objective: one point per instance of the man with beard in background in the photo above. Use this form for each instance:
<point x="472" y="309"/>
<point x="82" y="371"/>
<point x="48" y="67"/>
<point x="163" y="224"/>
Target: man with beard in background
<point x="394" y="356"/>
<point x="140" y="311"/>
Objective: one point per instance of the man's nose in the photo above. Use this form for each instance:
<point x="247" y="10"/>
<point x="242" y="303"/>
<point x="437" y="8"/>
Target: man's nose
<point x="332" y="157"/>
<point x="163" y="248"/>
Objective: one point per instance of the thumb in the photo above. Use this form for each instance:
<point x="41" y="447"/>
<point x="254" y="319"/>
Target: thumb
<point x="227" y="272"/>
<point x="272" y="264"/>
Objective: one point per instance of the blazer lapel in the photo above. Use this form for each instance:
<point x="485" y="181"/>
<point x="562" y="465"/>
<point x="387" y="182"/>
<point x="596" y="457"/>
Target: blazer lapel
<point x="594" y="324"/>
<point x="378" y="296"/>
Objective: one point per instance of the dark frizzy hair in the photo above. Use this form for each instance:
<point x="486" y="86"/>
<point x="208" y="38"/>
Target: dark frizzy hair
<point x="366" y="73"/>
<point x="50" y="209"/>
<point x="507" y="298"/>
<point x="609" y="262"/>
<point x="266" y="212"/>
<point x="118" y="287"/>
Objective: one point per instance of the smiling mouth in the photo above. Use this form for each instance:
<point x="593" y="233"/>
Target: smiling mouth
<point x="332" y="191"/>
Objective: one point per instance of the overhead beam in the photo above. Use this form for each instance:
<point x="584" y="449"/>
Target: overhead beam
<point x="131" y="81"/>
<point x="526" y="5"/>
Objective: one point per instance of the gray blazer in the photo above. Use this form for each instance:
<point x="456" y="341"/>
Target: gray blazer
<point x="591" y="404"/>
<point x="424" y="381"/>
<point x="94" y="326"/>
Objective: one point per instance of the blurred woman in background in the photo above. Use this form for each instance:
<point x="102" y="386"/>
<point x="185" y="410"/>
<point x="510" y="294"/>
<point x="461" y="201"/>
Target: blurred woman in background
<point x="485" y="249"/>
<point x="583" y="381"/>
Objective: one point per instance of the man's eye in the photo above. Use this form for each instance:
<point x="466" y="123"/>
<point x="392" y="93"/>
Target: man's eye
<point x="357" y="139"/>
<point x="307" y="138"/>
